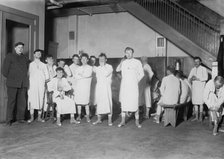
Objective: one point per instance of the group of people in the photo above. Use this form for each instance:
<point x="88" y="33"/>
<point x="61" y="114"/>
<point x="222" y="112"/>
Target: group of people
<point x="89" y="84"/>
<point x="176" y="88"/>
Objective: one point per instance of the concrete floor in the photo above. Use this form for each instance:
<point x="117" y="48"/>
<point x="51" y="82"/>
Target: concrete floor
<point x="188" y="140"/>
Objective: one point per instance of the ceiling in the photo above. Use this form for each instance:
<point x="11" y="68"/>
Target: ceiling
<point x="59" y="8"/>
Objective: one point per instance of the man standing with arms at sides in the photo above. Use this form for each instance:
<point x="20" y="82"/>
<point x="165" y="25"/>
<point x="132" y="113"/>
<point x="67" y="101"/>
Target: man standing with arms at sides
<point x="198" y="77"/>
<point x="15" y="69"/>
<point x="132" y="72"/>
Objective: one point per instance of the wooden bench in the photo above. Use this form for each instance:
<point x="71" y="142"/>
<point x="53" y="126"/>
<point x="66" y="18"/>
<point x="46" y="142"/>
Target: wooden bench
<point x="171" y="113"/>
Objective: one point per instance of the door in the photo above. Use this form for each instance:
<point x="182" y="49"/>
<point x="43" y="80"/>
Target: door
<point x="15" y="27"/>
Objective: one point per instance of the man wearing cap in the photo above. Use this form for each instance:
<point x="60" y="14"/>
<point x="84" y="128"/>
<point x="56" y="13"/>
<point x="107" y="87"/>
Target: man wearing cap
<point x="15" y="68"/>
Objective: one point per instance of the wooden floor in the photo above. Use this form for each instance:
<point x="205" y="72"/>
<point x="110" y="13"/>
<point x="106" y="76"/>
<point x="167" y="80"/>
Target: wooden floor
<point x="189" y="140"/>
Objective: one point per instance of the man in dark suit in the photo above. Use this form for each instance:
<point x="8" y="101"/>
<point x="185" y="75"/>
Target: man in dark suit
<point x="15" y="69"/>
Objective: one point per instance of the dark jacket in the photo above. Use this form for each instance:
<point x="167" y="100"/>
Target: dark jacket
<point x="15" y="69"/>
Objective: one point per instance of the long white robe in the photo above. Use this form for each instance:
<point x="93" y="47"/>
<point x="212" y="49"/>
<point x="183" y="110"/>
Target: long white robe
<point x="84" y="77"/>
<point x="198" y="85"/>
<point x="170" y="90"/>
<point x="185" y="95"/>
<point x="132" y="73"/>
<point x="73" y="79"/>
<point x="103" y="89"/>
<point x="66" y="105"/>
<point x="38" y="74"/>
<point x="145" y="96"/>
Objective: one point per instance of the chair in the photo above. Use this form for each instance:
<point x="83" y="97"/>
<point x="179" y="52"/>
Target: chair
<point x="51" y="111"/>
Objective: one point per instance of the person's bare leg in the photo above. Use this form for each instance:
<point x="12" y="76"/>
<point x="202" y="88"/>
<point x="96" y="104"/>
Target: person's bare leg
<point x="147" y="113"/>
<point x="122" y="123"/>
<point x="31" y="116"/>
<point x="137" y="119"/>
<point x="201" y="112"/>
<point x="58" y="119"/>
<point x="79" y="112"/>
<point x="110" y="120"/>
<point x="72" y="119"/>
<point x="87" y="113"/>
<point x="195" y="113"/>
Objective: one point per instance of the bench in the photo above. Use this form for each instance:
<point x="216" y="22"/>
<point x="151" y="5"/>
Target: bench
<point x="171" y="113"/>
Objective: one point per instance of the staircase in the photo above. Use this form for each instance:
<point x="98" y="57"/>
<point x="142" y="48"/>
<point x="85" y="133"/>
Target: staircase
<point x="182" y="28"/>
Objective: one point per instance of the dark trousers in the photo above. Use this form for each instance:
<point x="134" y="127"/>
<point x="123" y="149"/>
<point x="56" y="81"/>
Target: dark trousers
<point x="16" y="99"/>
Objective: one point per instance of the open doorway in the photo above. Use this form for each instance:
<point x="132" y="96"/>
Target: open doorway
<point x="16" y="32"/>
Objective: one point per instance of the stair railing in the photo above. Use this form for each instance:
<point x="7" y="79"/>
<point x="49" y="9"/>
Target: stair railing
<point x="191" y="26"/>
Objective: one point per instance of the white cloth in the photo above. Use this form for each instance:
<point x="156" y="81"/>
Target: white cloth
<point x="145" y="88"/>
<point x="84" y="77"/>
<point x="38" y="74"/>
<point x="65" y="105"/>
<point x="51" y="71"/>
<point x="103" y="89"/>
<point x="185" y="95"/>
<point x="170" y="90"/>
<point x="73" y="79"/>
<point x="132" y="73"/>
<point x="198" y="85"/>
<point x="211" y="98"/>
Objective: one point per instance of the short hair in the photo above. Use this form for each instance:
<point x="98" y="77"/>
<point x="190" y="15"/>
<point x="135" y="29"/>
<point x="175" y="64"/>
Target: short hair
<point x="197" y="58"/>
<point x="129" y="48"/>
<point x="19" y="43"/>
<point x="38" y="50"/>
<point x="85" y="55"/>
<point x="48" y="56"/>
<point x="61" y="60"/>
<point x="92" y="57"/>
<point x="171" y="69"/>
<point x="103" y="55"/>
<point x="59" y="69"/>
<point x="75" y="55"/>
<point x="219" y="79"/>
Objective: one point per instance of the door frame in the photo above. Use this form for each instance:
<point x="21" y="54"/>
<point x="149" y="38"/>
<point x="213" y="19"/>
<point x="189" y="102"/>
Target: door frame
<point x="7" y="13"/>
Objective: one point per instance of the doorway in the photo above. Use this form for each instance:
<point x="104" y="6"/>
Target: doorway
<point x="15" y="26"/>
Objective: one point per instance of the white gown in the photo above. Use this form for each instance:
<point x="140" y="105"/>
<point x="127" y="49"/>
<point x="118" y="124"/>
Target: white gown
<point x="145" y="88"/>
<point x="66" y="105"/>
<point x="103" y="89"/>
<point x="198" y="86"/>
<point x="132" y="73"/>
<point x="38" y="74"/>
<point x="84" y="77"/>
<point x="170" y="90"/>
<point x="72" y="79"/>
<point x="185" y="95"/>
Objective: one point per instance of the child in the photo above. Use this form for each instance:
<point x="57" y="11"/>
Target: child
<point x="65" y="105"/>
<point x="84" y="77"/>
<point x="38" y="75"/>
<point x="103" y="89"/>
